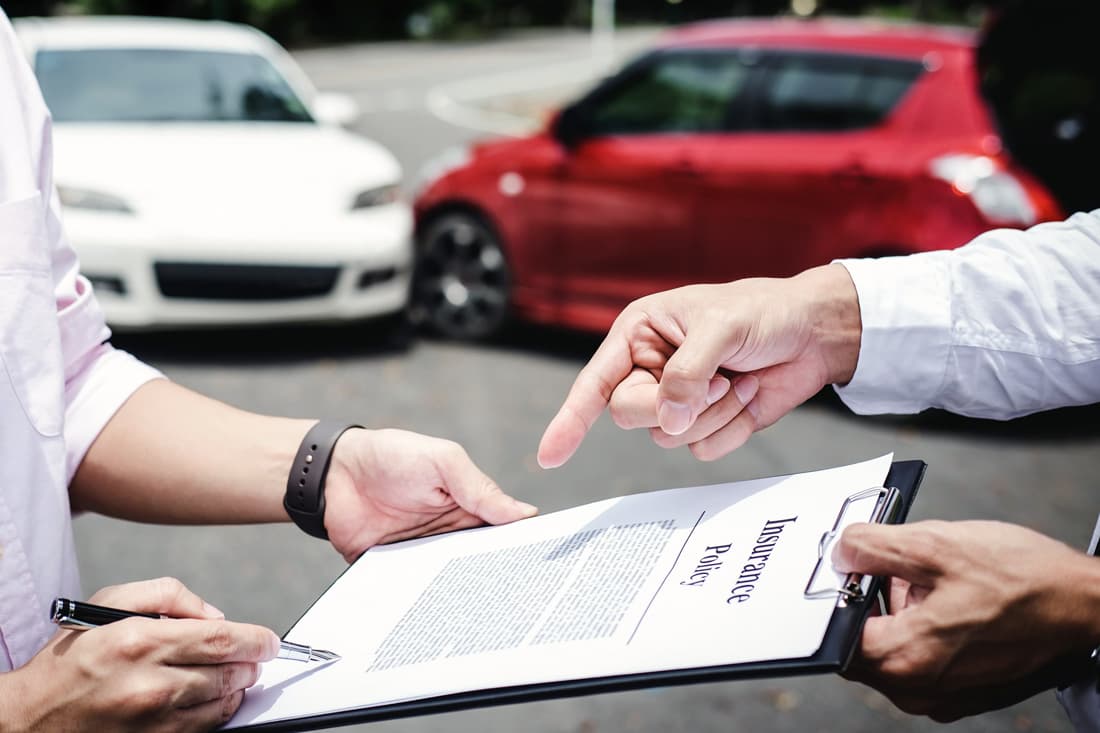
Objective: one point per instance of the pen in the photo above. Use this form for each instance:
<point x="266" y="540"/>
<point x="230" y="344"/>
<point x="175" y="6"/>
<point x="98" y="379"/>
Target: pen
<point x="79" y="616"/>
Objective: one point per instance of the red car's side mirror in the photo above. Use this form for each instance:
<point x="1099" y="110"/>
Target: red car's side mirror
<point x="567" y="126"/>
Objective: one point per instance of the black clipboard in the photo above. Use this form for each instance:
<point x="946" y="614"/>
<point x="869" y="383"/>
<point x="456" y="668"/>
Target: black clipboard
<point x="841" y="637"/>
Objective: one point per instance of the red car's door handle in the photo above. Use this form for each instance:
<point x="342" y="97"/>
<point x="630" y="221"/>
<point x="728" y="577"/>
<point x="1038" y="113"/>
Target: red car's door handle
<point x="684" y="168"/>
<point x="855" y="170"/>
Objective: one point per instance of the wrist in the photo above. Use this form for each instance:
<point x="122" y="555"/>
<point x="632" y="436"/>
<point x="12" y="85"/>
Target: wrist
<point x="17" y="703"/>
<point x="1081" y="603"/>
<point x="317" y="464"/>
<point x="836" y="327"/>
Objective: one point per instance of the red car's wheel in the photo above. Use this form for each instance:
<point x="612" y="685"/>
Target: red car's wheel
<point x="462" y="282"/>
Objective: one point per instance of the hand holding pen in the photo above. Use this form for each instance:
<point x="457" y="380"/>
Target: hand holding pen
<point x="185" y="672"/>
<point x="79" y="616"/>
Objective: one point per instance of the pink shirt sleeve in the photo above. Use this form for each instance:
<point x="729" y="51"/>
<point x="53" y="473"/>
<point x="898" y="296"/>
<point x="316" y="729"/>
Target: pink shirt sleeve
<point x="98" y="377"/>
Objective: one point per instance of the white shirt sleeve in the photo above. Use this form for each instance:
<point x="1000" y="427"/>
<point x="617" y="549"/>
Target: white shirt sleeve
<point x="98" y="378"/>
<point x="1004" y="326"/>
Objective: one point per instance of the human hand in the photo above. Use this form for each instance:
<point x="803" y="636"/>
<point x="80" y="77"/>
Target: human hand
<point x="668" y="361"/>
<point x="982" y="614"/>
<point x="389" y="485"/>
<point x="185" y="673"/>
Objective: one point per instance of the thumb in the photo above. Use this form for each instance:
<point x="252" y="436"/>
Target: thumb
<point x="480" y="496"/>
<point x="900" y="551"/>
<point x="166" y="596"/>
<point x="685" y="380"/>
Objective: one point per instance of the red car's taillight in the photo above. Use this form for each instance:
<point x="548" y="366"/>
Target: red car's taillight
<point x="998" y="195"/>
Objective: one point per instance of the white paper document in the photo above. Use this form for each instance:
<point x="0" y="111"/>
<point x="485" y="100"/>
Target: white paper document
<point x="677" y="579"/>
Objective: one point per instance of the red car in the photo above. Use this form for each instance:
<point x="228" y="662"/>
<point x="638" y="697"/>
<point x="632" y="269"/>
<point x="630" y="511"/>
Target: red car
<point x="734" y="149"/>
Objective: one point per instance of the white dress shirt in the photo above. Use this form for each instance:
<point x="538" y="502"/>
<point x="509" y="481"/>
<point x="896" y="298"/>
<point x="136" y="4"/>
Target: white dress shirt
<point x="1005" y="326"/>
<point x="59" y="381"/>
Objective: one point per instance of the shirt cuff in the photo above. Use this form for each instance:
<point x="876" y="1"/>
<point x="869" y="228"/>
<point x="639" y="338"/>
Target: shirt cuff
<point x="92" y="398"/>
<point x="905" y="308"/>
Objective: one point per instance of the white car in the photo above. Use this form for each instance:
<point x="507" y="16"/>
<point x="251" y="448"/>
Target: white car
<point x="204" y="181"/>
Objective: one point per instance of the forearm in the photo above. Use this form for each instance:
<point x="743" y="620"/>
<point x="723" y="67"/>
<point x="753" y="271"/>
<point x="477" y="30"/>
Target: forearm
<point x="170" y="455"/>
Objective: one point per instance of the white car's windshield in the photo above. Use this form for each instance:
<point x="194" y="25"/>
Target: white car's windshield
<point x="164" y="85"/>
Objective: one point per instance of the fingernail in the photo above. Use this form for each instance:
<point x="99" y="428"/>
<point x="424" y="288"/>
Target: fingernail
<point x="211" y="611"/>
<point x="839" y="561"/>
<point x="276" y="643"/>
<point x="719" y="386"/>
<point x="529" y="510"/>
<point x="546" y="462"/>
<point x="674" y="417"/>
<point x="745" y="388"/>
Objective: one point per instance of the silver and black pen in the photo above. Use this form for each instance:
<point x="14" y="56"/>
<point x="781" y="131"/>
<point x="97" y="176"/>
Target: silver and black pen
<point x="79" y="616"/>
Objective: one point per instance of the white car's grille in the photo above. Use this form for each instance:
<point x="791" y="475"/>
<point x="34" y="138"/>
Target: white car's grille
<point x="217" y="281"/>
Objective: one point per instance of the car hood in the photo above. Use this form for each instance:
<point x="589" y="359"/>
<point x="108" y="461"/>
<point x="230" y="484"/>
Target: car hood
<point x="180" y="171"/>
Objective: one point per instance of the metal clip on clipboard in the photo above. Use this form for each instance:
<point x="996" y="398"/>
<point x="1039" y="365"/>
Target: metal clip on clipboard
<point x="886" y="510"/>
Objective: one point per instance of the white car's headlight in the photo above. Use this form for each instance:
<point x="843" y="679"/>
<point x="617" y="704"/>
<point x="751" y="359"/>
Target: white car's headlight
<point x="377" y="197"/>
<point x="82" y="198"/>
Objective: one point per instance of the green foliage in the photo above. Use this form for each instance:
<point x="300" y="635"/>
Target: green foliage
<point x="316" y="21"/>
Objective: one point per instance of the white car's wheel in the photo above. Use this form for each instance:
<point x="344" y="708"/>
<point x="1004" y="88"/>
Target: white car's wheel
<point x="463" y="283"/>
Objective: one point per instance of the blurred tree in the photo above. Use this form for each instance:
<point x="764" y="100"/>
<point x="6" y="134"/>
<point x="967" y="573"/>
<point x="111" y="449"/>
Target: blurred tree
<point x="317" y="21"/>
<point x="29" y="7"/>
<point x="306" y="21"/>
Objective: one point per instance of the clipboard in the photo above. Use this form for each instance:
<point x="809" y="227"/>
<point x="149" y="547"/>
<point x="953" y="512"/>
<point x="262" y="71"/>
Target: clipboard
<point x="857" y="596"/>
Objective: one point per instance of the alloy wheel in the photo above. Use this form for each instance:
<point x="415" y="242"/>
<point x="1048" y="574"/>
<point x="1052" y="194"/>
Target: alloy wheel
<point x="462" y="280"/>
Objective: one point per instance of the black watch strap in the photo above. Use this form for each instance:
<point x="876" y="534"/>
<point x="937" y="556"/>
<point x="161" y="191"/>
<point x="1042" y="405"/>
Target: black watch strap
<point x="305" y="486"/>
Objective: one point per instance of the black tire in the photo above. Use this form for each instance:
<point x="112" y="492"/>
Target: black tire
<point x="393" y="332"/>
<point x="462" y="283"/>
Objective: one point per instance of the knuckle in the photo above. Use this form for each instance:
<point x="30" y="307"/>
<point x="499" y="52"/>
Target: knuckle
<point x="487" y="490"/>
<point x="454" y="453"/>
<point x="619" y="417"/>
<point x="103" y="595"/>
<point x="230" y="703"/>
<point x="854" y="544"/>
<point x="619" y="409"/>
<point x="252" y="674"/>
<point x="679" y="371"/>
<point x="911" y="664"/>
<point x="170" y="589"/>
<point x="226" y="680"/>
<point x="930" y="544"/>
<point x="149" y="695"/>
<point x="220" y="642"/>
<point x="663" y="439"/>
<point x="132" y="644"/>
<point x="703" y="450"/>
<point x="597" y="383"/>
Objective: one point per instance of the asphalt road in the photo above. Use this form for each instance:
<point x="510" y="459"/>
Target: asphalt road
<point x="496" y="399"/>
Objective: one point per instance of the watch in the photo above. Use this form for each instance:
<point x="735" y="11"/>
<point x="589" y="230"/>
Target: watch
<point x="305" y="486"/>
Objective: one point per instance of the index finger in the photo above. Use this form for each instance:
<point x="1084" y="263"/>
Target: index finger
<point x="587" y="398"/>
<point x="193" y="641"/>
